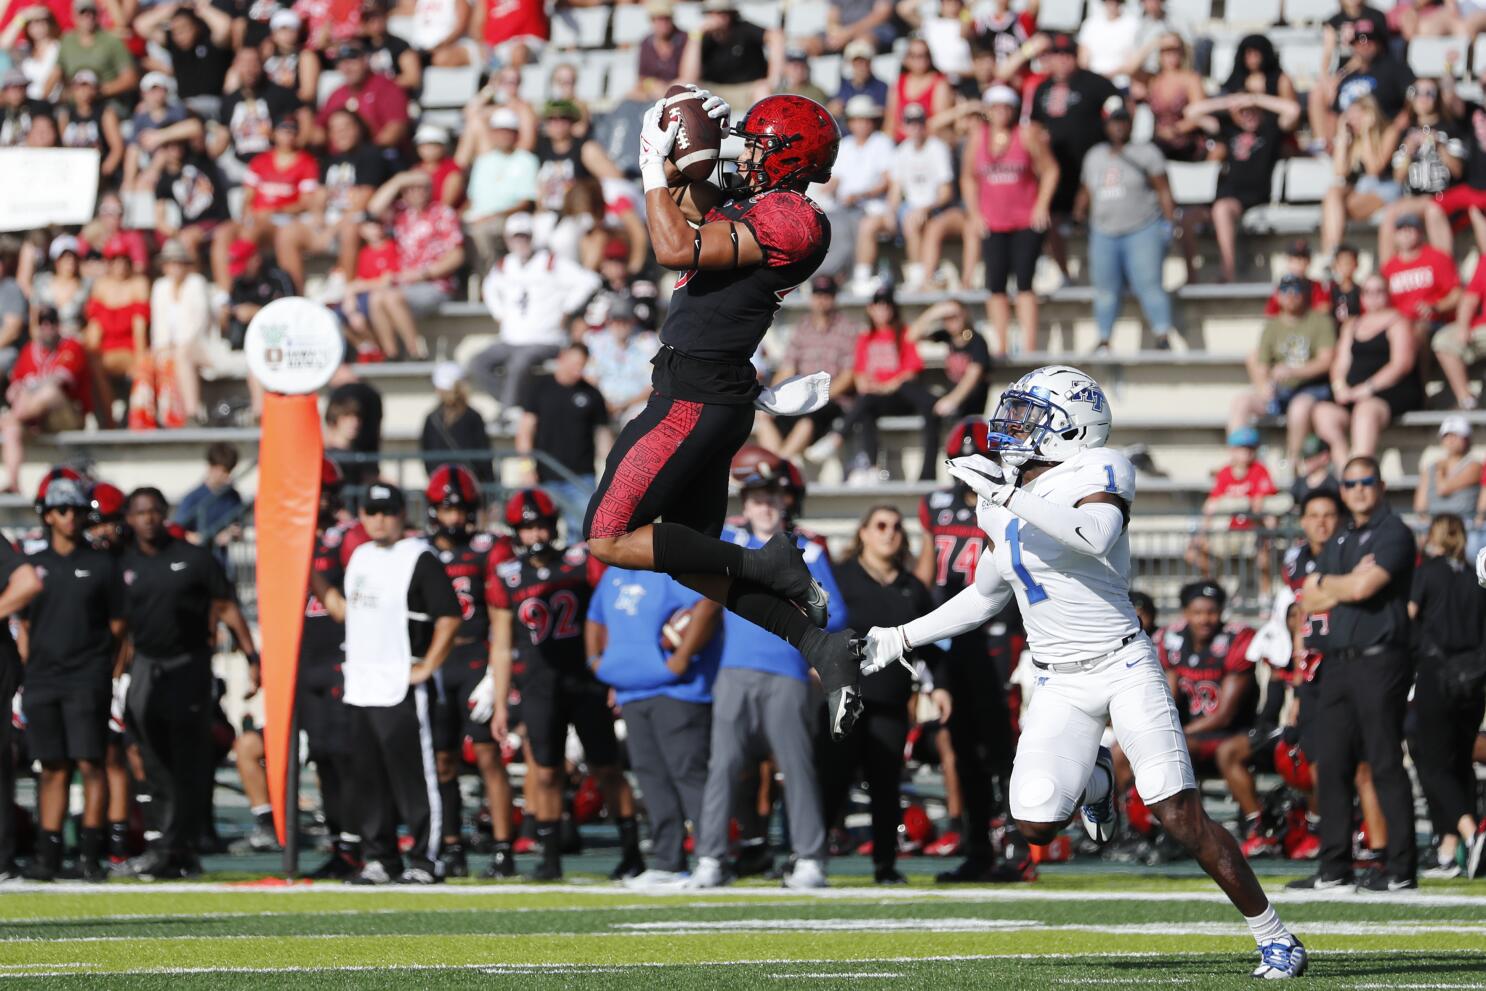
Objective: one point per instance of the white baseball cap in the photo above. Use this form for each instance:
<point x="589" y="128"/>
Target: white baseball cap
<point x="157" y="80"/>
<point x="431" y="134"/>
<point x="446" y="375"/>
<point x="518" y="224"/>
<point x="1002" y="96"/>
<point x="862" y="105"/>
<point x="1457" y="425"/>
<point x="284" y="18"/>
<point x="505" y="119"/>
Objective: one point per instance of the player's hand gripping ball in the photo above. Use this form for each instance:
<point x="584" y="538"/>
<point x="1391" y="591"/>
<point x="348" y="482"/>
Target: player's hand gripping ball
<point x="700" y="118"/>
<point x="674" y="630"/>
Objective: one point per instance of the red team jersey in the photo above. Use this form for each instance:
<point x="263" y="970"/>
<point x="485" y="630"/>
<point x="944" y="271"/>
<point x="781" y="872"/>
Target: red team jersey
<point x="957" y="538"/>
<point x="276" y="186"/>
<point x="1427" y="278"/>
<point x="1200" y="674"/>
<point x="471" y="570"/>
<point x="68" y="364"/>
<point x="551" y="603"/>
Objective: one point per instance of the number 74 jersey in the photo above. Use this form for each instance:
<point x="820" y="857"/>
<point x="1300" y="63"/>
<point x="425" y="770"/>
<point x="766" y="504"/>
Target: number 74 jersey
<point x="1076" y="607"/>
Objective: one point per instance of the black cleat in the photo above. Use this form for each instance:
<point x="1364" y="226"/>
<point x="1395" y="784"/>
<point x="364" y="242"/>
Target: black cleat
<point x="788" y="575"/>
<point x="888" y="875"/>
<point x="976" y="870"/>
<point x="546" y="872"/>
<point x="39" y="870"/>
<point x="502" y="866"/>
<point x="838" y="659"/>
<point x="344" y="862"/>
<point x="91" y="870"/>
<point x="630" y="865"/>
<point x="753" y="858"/>
<point x="1322" y="882"/>
<point x="455" y="863"/>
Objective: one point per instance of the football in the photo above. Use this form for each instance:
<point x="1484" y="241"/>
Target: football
<point x="699" y="139"/>
<point x="674" y="629"/>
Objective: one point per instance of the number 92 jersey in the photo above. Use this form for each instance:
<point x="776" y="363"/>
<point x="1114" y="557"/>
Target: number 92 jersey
<point x="1076" y="607"/>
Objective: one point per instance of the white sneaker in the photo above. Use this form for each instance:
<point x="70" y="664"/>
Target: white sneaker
<point x="333" y="289"/>
<point x="654" y="878"/>
<point x="913" y="276"/>
<point x="807" y="874"/>
<point x="373" y="872"/>
<point x="823" y="449"/>
<point x="707" y="874"/>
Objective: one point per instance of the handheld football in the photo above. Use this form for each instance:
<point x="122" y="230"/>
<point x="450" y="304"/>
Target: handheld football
<point x="674" y="630"/>
<point x="699" y="139"/>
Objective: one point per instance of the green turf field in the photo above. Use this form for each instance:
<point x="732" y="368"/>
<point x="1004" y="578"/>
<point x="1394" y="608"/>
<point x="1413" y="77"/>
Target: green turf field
<point x="1066" y="930"/>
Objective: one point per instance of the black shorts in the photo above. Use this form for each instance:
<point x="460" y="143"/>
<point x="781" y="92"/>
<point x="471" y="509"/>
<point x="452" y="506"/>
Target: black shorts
<point x="458" y="677"/>
<point x="1008" y="253"/>
<point x="324" y="718"/>
<point x="670" y="462"/>
<point x="552" y="701"/>
<point x="67" y="722"/>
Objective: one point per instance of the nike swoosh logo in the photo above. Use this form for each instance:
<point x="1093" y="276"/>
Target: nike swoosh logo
<point x="1080" y="531"/>
<point x="178" y="566"/>
<point x="1131" y="664"/>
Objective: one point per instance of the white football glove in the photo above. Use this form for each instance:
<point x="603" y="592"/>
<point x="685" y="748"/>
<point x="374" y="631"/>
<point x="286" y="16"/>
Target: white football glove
<point x="655" y="144"/>
<point x="17" y="714"/>
<point x="482" y="700"/>
<point x="796" y="396"/>
<point x="991" y="480"/>
<point x="882" y="647"/>
<point x="117" y="703"/>
<point x="1481" y="567"/>
<point x="713" y="105"/>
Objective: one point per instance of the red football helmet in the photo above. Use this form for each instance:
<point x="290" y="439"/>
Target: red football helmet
<point x="970" y="436"/>
<point x="756" y="467"/>
<point x="59" y="473"/>
<point x="529" y="507"/>
<point x="798" y="139"/>
<point x="1291" y="764"/>
<point x="105" y="504"/>
<point x="453" y="485"/>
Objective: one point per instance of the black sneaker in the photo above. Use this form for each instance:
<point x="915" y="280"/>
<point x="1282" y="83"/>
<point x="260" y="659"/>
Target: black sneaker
<point x="342" y="864"/>
<point x="1322" y="882"/>
<point x="455" y="863"/>
<point x="39" y="870"/>
<point x="785" y="564"/>
<point x="755" y="858"/>
<point x="502" y="866"/>
<point x="10" y="872"/>
<point x="838" y="659"/>
<point x="977" y="871"/>
<point x="91" y="870"/>
<point x="630" y="865"/>
<point x="1383" y="883"/>
<point x="152" y="865"/>
<point x="546" y="872"/>
<point x="418" y="875"/>
<point x="888" y="875"/>
<point x="373" y="872"/>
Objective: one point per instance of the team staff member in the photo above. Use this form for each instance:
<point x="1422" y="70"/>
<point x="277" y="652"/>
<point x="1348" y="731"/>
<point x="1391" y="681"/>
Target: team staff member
<point x="979" y="723"/>
<point x="877" y="586"/>
<point x="547" y="590"/>
<point x="175" y="592"/>
<point x="401" y="616"/>
<point x="469" y="559"/>
<point x="19" y="585"/>
<point x="72" y="633"/>
<point x="664" y="689"/>
<point x="1364" y="580"/>
<point x="320" y="688"/>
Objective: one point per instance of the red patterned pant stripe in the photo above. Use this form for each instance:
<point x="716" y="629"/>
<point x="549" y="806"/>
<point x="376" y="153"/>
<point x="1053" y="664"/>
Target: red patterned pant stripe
<point x="639" y="467"/>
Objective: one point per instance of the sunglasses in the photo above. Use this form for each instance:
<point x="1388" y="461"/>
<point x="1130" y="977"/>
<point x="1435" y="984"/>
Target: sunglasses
<point x="1366" y="482"/>
<point x="381" y="510"/>
<point x="882" y="525"/>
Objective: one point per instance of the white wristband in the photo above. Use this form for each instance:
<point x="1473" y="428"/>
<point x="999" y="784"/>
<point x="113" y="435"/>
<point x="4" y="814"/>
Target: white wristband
<point x="653" y="174"/>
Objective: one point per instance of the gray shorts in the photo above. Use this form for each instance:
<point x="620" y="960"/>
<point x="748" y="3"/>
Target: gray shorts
<point x="424" y="298"/>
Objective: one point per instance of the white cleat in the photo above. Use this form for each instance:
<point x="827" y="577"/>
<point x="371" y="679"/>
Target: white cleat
<point x="654" y="880"/>
<point x="805" y="875"/>
<point x="1281" y="960"/>
<point x="1102" y="817"/>
<point x="707" y="874"/>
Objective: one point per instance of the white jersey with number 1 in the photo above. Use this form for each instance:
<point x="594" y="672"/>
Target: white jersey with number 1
<point x="1075" y="607"/>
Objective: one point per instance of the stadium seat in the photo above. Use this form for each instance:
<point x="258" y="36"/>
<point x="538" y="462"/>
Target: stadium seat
<point x="688" y="16"/>
<point x="329" y="82"/>
<point x="1262" y="13"/>
<point x="593" y="72"/>
<point x="1301" y="60"/>
<point x="1221" y="63"/>
<point x="139" y="210"/>
<point x="1060" y="15"/>
<point x="825" y="72"/>
<point x="448" y="88"/>
<point x="1142" y="124"/>
<point x="805" y="18"/>
<point x="1427" y="56"/>
<point x="1193" y="183"/>
<point x="580" y="27"/>
<point x="631" y="24"/>
<point x="534" y="84"/>
<point x="1197" y="12"/>
<point x="885" y="67"/>
<point x="765" y="13"/>
<point x="1307" y="179"/>
<point x="624" y="72"/>
<point x="1308" y="11"/>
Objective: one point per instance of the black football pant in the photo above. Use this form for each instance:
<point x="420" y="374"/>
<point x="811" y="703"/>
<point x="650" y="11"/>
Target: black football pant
<point x="980" y="732"/>
<point x="10" y="677"/>
<point x="394" y="779"/>
<point x="1364" y="699"/>
<point x="1442" y="735"/>
<point x="912" y="397"/>
<point x="170" y="711"/>
<point x="876" y="747"/>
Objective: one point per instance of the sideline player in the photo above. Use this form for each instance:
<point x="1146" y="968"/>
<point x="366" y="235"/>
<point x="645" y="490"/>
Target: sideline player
<point x="1054" y="506"/>
<point x="671" y="461"/>
<point x="469" y="558"/>
<point x="546" y="589"/>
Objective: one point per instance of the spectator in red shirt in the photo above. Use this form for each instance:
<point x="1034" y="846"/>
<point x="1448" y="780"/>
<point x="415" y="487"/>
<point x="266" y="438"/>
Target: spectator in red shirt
<point x="511" y="32"/>
<point x="376" y="266"/>
<point x="381" y="104"/>
<point x="48" y="391"/>
<point x="886" y="373"/>
<point x="1422" y="281"/>
<point x="430" y="249"/>
<point x="1239" y="492"/>
<point x="431" y="144"/>
<point x="280" y="181"/>
<point x="1463" y="343"/>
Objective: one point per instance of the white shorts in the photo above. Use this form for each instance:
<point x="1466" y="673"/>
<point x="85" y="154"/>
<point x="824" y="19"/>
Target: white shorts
<point x="1063" y="724"/>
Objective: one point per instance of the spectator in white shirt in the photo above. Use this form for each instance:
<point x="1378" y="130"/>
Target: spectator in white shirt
<point x="438" y="31"/>
<point x="857" y="192"/>
<point x="180" y="318"/>
<point x="923" y="183"/>
<point x="619" y="361"/>
<point x="1107" y="40"/>
<point x="532" y="295"/>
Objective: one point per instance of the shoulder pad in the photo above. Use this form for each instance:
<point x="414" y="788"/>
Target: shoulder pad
<point x="576" y="554"/>
<point x="940" y="498"/>
<point x="332" y="537"/>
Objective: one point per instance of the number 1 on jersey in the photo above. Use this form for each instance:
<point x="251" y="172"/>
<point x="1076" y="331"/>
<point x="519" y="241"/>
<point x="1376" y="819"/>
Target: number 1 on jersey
<point x="1035" y="592"/>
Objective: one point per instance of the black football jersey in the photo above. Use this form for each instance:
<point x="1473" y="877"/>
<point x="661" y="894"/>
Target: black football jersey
<point x="550" y="603"/>
<point x="957" y="538"/>
<point x="322" y="644"/>
<point x="1200" y="673"/>
<point x="471" y="570"/>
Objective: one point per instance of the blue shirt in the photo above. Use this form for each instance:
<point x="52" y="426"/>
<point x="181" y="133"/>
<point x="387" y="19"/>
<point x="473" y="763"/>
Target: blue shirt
<point x="748" y="646"/>
<point x="633" y="606"/>
<point x="208" y="513"/>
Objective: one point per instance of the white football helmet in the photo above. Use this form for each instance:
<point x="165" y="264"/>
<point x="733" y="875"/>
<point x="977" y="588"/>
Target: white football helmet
<point x="1049" y="415"/>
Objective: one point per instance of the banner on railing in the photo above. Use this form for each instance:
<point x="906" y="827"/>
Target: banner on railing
<point x="40" y="187"/>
